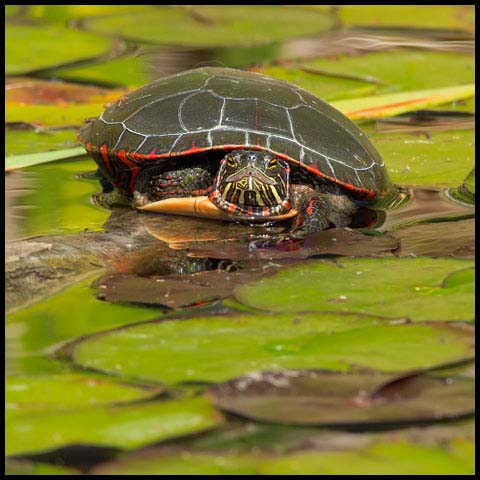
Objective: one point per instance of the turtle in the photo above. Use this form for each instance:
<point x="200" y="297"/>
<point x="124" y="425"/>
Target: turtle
<point x="235" y="145"/>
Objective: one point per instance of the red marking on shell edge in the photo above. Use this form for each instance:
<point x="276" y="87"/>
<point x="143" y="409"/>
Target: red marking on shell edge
<point x="266" y="212"/>
<point x="232" y="208"/>
<point x="104" y="153"/>
<point x="229" y="146"/>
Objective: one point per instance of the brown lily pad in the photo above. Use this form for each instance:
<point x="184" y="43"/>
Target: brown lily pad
<point x="175" y="291"/>
<point x="328" y="398"/>
<point x="452" y="239"/>
<point x="335" y="241"/>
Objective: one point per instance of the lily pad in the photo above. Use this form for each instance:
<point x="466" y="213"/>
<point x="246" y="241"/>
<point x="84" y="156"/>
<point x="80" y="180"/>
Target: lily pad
<point x="56" y="201"/>
<point x="18" y="467"/>
<point x="335" y="455"/>
<point x="214" y="25"/>
<point x="390" y="72"/>
<point x="212" y="349"/>
<point x="437" y="159"/>
<point x="70" y="12"/>
<point x="323" y="398"/>
<point x="409" y="16"/>
<point x="26" y="141"/>
<point x="401" y="71"/>
<point x="407" y="287"/>
<point x="335" y="241"/>
<point x="31" y="47"/>
<point x="466" y="191"/>
<point x="69" y="314"/>
<point x="394" y="458"/>
<point x="442" y="239"/>
<point x="29" y="394"/>
<point x="128" y="426"/>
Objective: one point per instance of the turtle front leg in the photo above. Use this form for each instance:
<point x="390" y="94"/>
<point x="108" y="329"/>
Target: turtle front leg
<point x="320" y="210"/>
<point x="155" y="183"/>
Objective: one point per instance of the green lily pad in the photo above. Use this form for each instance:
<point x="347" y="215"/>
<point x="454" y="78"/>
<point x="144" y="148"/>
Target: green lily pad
<point x="69" y="314"/>
<point x="29" y="394"/>
<point x="455" y="456"/>
<point x="211" y="349"/>
<point x="409" y="16"/>
<point x="466" y="191"/>
<point x="323" y="398"/>
<point x="326" y="87"/>
<point x="70" y="12"/>
<point x="20" y="467"/>
<point x="441" y="159"/>
<point x="19" y="142"/>
<point x="128" y="426"/>
<point x="31" y="47"/>
<point x="408" y="287"/>
<point x="394" y="71"/>
<point x="214" y="25"/>
<point x="395" y="458"/>
<point x="61" y="203"/>
<point x="134" y="71"/>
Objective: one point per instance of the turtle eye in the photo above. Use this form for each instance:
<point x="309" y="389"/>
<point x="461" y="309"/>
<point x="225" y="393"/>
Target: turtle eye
<point x="231" y="162"/>
<point x="272" y="164"/>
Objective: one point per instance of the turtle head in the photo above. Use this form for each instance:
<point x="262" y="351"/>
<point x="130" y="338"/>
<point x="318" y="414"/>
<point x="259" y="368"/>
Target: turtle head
<point x="252" y="184"/>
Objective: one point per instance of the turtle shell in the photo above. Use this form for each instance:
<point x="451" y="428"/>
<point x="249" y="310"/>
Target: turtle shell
<point x="223" y="109"/>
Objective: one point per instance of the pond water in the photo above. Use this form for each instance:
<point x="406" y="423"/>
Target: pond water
<point x="150" y="343"/>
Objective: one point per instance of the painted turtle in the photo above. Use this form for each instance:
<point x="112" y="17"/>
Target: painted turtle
<point x="237" y="145"/>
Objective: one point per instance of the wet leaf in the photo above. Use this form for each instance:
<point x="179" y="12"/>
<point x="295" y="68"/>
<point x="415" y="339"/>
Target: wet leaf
<point x="219" y="348"/>
<point x="438" y="159"/>
<point x="174" y="291"/>
<point x="409" y="16"/>
<point x="466" y="191"/>
<point x="64" y="316"/>
<point x="55" y="201"/>
<point x="69" y="12"/>
<point x="31" y="141"/>
<point x="407" y="287"/>
<point x="322" y="398"/>
<point x="128" y="426"/>
<point x="380" y="459"/>
<point x="335" y="241"/>
<point x="18" y="467"/>
<point x="14" y="162"/>
<point x="402" y="71"/>
<point x="379" y="106"/>
<point x="442" y="239"/>
<point x="334" y="454"/>
<point x="214" y="25"/>
<point x="30" y="394"/>
<point x="425" y="205"/>
<point x="31" y="47"/>
<point x="134" y="71"/>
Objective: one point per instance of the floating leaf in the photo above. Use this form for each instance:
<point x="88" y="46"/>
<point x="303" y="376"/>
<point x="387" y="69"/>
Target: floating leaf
<point x="64" y="316"/>
<point x="409" y="16"/>
<point x="31" y="141"/>
<point x="408" y="287"/>
<point x="128" y="426"/>
<point x="394" y="458"/>
<point x="31" y="47"/>
<point x="214" y="25"/>
<point x="322" y="398"/>
<point x="379" y="106"/>
<point x="29" y="394"/>
<point x="61" y="202"/>
<point x="466" y="191"/>
<point x="218" y="348"/>
<point x="442" y="239"/>
<point x="18" y="467"/>
<point x="14" y="162"/>
<point x="437" y="159"/>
